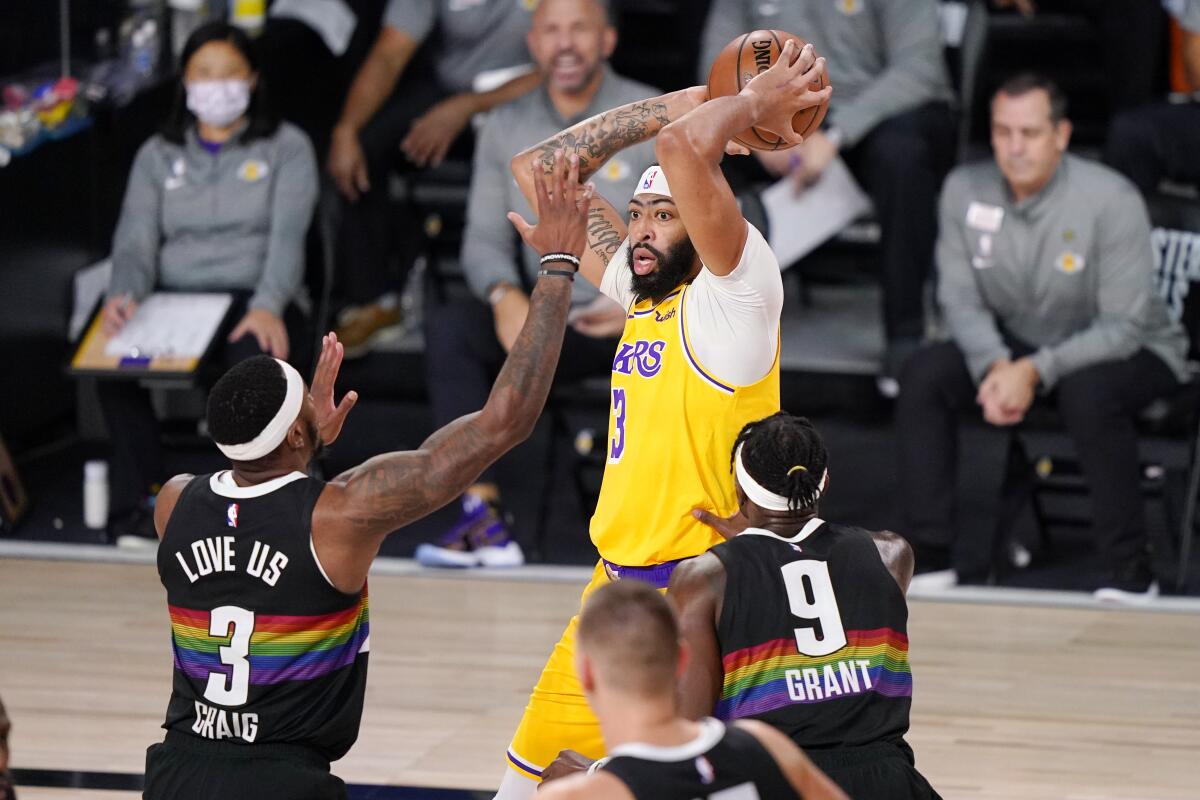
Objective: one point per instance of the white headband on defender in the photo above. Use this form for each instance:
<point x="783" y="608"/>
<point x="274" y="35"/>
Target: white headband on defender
<point x="763" y="497"/>
<point x="279" y="425"/>
<point x="653" y="181"/>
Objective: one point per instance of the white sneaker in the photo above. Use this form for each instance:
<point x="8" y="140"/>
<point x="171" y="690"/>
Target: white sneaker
<point x="430" y="555"/>
<point x="508" y="554"/>
<point x="1115" y="596"/>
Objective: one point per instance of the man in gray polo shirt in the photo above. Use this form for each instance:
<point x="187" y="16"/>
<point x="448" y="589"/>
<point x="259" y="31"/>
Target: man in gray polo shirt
<point x="1045" y="279"/>
<point x="466" y="339"/>
<point x="889" y="119"/>
<point x="412" y="97"/>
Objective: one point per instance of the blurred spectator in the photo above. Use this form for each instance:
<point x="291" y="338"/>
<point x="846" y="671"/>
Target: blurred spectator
<point x="1045" y="278"/>
<point x="7" y="792"/>
<point x="466" y="340"/>
<point x="1161" y="141"/>
<point x="889" y="118"/>
<point x="1130" y="34"/>
<point x="419" y="100"/>
<point x="220" y="200"/>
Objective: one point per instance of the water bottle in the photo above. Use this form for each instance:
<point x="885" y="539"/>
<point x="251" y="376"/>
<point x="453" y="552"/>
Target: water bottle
<point x="95" y="494"/>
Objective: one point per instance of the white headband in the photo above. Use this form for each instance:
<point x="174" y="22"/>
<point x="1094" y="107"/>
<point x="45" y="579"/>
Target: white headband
<point x="762" y="496"/>
<point x="279" y="425"/>
<point x="653" y="181"/>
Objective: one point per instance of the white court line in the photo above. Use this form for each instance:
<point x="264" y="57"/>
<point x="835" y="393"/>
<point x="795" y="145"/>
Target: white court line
<point x="933" y="587"/>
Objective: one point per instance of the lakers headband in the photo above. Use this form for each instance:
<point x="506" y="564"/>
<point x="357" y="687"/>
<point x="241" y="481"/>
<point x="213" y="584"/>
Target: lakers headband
<point x="279" y="425"/>
<point x="760" y="495"/>
<point x="653" y="181"/>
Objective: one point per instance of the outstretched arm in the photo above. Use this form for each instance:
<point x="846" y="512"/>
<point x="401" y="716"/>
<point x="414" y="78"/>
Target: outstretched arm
<point x="595" y="140"/>
<point x="697" y="591"/>
<point x="690" y="150"/>
<point x="362" y="506"/>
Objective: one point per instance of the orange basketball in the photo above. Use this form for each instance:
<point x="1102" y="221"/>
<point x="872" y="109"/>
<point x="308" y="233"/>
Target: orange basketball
<point x="747" y="56"/>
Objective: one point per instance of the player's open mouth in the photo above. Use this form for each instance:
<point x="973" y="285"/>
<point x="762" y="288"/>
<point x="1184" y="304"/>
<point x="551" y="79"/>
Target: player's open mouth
<point x="643" y="261"/>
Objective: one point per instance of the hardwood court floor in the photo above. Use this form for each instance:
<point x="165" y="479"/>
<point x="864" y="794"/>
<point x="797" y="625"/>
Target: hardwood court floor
<point x="1037" y="703"/>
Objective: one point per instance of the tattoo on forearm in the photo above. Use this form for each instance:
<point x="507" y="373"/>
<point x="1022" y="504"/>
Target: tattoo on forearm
<point x="401" y="487"/>
<point x="606" y="134"/>
<point x="603" y="237"/>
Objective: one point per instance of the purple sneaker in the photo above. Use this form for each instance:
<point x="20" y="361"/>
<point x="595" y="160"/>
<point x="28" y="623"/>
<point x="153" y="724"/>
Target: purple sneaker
<point x="480" y="538"/>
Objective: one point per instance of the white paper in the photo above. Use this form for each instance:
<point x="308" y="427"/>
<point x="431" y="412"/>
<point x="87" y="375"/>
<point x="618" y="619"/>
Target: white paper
<point x="799" y="223"/>
<point x="171" y="324"/>
<point x="332" y="20"/>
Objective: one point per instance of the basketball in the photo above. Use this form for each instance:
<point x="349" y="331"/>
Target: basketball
<point x="742" y="59"/>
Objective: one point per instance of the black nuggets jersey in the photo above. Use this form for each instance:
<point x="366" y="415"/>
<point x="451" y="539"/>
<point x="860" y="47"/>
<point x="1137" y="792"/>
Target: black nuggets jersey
<point x="722" y="762"/>
<point x="267" y="651"/>
<point x="813" y="637"/>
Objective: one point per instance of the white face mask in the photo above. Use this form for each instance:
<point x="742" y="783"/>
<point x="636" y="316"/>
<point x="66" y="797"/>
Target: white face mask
<point x="218" y="103"/>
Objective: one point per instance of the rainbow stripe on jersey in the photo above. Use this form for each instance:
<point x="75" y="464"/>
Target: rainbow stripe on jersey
<point x="773" y="675"/>
<point x="282" y="648"/>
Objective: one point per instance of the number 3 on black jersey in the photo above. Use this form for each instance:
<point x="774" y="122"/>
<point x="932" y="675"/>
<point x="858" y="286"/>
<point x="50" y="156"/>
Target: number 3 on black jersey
<point x="238" y="624"/>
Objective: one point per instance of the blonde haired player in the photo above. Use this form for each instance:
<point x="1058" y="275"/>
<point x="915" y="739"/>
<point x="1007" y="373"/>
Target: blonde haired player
<point x="698" y="359"/>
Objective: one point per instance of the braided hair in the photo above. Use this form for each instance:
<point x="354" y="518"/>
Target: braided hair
<point x="785" y="454"/>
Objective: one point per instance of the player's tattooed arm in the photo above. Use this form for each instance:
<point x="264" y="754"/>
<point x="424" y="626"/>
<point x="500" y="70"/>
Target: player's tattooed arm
<point x="696" y="592"/>
<point x="598" y="138"/>
<point x="362" y="506"/>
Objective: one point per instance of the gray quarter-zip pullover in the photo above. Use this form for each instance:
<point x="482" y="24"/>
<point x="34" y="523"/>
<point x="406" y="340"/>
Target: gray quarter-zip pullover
<point x="1069" y="271"/>
<point x="235" y="220"/>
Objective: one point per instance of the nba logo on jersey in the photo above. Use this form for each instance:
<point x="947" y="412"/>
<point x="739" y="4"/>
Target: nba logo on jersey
<point x="231" y="515"/>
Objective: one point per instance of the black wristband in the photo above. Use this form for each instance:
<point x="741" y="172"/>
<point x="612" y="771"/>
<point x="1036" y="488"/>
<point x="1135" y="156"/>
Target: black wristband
<point x="558" y="273"/>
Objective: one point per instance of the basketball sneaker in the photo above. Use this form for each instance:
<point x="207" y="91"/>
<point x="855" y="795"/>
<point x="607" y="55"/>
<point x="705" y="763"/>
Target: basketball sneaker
<point x="361" y="328"/>
<point x="1130" y="585"/>
<point x="480" y="538"/>
<point x="134" y="530"/>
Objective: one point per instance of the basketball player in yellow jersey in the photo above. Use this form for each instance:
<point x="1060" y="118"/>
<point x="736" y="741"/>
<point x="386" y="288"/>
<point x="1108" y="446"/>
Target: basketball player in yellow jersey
<point x="698" y="359"/>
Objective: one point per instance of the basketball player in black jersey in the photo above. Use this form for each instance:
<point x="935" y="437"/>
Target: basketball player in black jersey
<point x="266" y="568"/>
<point x="628" y="661"/>
<point x="802" y="623"/>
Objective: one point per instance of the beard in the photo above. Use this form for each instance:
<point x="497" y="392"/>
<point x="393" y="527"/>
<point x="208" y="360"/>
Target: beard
<point x="672" y="268"/>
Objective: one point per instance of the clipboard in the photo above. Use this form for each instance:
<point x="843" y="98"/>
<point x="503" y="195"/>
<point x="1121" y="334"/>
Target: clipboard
<point x="169" y="337"/>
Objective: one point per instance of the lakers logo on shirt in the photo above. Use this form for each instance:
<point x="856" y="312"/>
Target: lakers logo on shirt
<point x="645" y="356"/>
<point x="1069" y="262"/>
<point x="616" y="170"/>
<point x="253" y="170"/>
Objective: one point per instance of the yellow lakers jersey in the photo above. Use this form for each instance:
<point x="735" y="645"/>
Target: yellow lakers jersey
<point x="671" y="428"/>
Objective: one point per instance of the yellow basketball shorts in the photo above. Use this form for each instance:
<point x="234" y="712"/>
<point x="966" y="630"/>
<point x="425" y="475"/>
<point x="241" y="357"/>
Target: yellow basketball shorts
<point x="558" y="716"/>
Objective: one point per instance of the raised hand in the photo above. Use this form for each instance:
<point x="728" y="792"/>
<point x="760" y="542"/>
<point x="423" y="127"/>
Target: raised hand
<point x="787" y="87"/>
<point x="330" y="415"/>
<point x="562" y="208"/>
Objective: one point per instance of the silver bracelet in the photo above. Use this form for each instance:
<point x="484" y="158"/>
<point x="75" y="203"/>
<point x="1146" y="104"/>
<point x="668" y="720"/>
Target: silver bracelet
<point x="567" y="257"/>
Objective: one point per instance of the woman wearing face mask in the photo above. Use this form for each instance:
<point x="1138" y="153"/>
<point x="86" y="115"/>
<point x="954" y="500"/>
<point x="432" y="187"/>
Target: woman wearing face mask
<point x="219" y="200"/>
